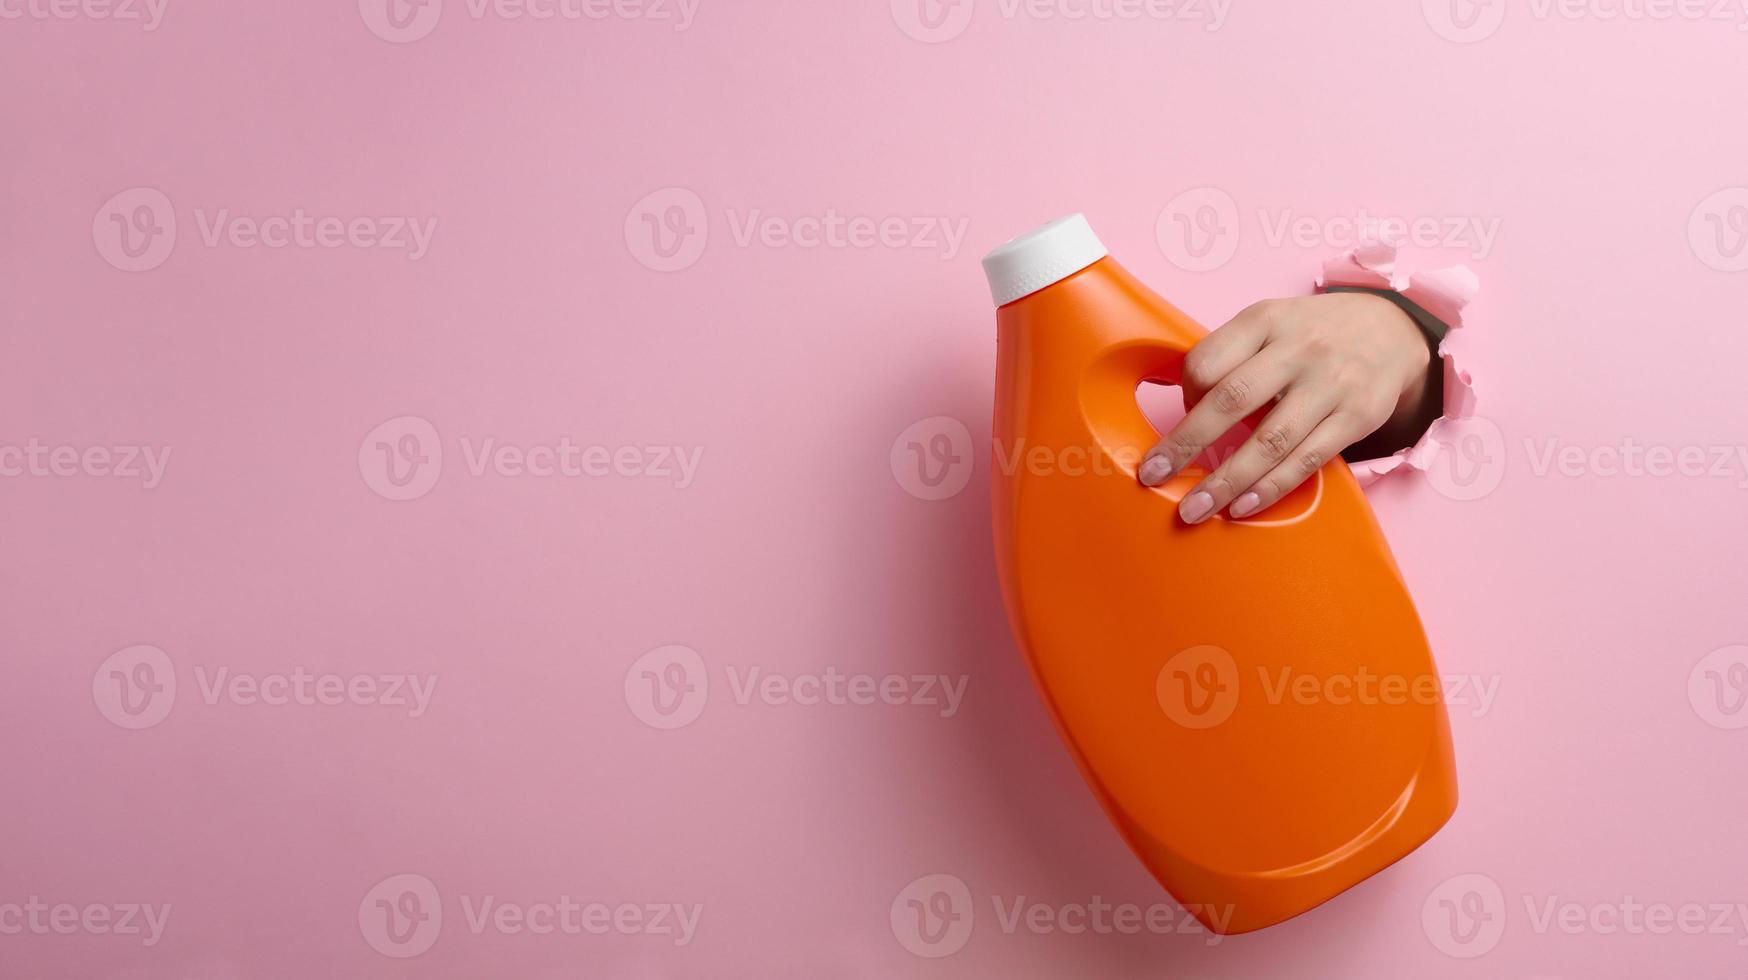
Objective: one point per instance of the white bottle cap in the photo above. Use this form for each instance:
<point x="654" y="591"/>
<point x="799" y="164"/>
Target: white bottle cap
<point x="1045" y="255"/>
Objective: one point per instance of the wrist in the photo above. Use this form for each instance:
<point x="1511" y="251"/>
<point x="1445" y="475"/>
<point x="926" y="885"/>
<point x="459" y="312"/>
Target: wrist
<point x="1420" y="389"/>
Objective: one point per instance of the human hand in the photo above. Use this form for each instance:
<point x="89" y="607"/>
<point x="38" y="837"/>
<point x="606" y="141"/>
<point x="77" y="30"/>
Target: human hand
<point x="1337" y="367"/>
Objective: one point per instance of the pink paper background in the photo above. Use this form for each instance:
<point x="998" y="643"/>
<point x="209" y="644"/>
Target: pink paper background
<point x="1611" y="312"/>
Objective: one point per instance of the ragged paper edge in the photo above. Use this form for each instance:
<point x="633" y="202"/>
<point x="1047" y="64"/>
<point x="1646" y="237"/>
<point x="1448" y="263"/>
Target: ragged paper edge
<point x="1444" y="293"/>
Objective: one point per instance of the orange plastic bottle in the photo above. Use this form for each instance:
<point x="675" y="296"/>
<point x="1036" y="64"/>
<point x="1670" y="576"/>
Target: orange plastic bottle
<point x="1253" y="701"/>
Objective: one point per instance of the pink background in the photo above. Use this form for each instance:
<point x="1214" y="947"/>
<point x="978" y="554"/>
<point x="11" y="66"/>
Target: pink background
<point x="1589" y="597"/>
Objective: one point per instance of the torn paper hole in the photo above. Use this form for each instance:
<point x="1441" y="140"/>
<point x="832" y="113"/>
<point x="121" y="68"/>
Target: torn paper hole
<point x="1444" y="293"/>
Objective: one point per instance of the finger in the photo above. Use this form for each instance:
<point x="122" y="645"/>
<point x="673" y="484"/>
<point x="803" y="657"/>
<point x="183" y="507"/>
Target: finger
<point x="1325" y="443"/>
<point x="1275" y="440"/>
<point x="1221" y="352"/>
<point x="1245" y="389"/>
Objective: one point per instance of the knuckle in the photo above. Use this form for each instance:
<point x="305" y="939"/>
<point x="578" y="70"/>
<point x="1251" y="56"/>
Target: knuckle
<point x="1232" y="395"/>
<point x="1198" y="369"/>
<point x="1310" y="461"/>
<point x="1353" y="375"/>
<point x="1269" y="312"/>
<point x="1375" y="412"/>
<point x="1273" y="442"/>
<point x="1319" y="344"/>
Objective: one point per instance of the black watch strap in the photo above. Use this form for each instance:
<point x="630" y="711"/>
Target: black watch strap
<point x="1431" y="326"/>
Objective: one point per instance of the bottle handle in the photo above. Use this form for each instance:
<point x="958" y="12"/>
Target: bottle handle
<point x="1117" y="421"/>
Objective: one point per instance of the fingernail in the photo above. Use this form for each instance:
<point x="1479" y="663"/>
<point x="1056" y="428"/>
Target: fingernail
<point x="1155" y="470"/>
<point x="1246" y="505"/>
<point x="1196" y="506"/>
